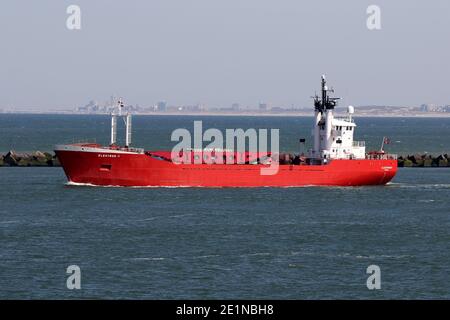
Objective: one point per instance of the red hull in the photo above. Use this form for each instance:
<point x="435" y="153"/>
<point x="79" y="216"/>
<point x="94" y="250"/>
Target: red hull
<point x="130" y="169"/>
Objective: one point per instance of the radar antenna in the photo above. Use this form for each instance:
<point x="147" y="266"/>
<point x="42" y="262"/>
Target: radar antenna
<point x="326" y="102"/>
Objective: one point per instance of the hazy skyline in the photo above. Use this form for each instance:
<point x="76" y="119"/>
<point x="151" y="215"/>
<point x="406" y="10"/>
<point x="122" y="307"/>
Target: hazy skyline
<point x="223" y="51"/>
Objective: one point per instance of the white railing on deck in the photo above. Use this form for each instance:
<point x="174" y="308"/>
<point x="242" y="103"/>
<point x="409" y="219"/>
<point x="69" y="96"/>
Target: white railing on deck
<point x="131" y="149"/>
<point x="386" y="156"/>
<point x="345" y="119"/>
<point x="359" y="143"/>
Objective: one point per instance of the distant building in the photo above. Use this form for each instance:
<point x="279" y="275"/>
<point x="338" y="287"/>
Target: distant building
<point x="91" y="107"/>
<point x="434" y="108"/>
<point x="263" y="107"/>
<point x="277" y="109"/>
<point x="196" y="107"/>
<point x="235" y="107"/>
<point x="424" y="108"/>
<point x="161" y="106"/>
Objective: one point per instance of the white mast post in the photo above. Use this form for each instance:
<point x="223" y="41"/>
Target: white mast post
<point x="128" y="130"/>
<point x="127" y="119"/>
<point x="328" y="127"/>
<point x="316" y="149"/>
<point x="113" y="128"/>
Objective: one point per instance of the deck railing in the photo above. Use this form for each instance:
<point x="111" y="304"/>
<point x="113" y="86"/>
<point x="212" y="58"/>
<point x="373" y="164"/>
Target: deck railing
<point x="127" y="149"/>
<point x="386" y="156"/>
<point x="359" y="143"/>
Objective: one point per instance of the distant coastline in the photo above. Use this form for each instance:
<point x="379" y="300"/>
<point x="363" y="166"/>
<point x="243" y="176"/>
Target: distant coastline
<point x="252" y="114"/>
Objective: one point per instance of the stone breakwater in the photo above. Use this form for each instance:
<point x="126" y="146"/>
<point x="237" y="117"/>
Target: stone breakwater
<point x="29" y="159"/>
<point x="424" y="161"/>
<point x="46" y="159"/>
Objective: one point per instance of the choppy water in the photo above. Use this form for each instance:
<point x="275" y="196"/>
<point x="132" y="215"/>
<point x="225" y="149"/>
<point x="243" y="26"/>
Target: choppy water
<point x="41" y="132"/>
<point x="283" y="243"/>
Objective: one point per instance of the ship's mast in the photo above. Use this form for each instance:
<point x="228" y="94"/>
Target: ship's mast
<point x="128" y="130"/>
<point x="113" y="128"/>
<point x="323" y="108"/>
<point x="127" y="120"/>
<point x="324" y="92"/>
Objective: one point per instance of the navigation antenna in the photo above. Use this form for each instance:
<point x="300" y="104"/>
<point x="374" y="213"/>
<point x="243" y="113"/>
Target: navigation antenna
<point x="326" y="102"/>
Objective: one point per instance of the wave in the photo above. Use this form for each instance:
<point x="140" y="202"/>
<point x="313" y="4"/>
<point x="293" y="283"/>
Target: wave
<point x="420" y="186"/>
<point x="255" y="254"/>
<point x="78" y="184"/>
<point x="148" y="259"/>
<point x="206" y="256"/>
<point x="81" y="184"/>
<point x="9" y="222"/>
<point x="351" y="256"/>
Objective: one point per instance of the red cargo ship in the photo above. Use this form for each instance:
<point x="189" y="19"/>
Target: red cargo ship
<point x="335" y="160"/>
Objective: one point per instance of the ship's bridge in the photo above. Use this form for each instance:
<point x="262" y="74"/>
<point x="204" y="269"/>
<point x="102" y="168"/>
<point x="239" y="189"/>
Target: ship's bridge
<point x="338" y="143"/>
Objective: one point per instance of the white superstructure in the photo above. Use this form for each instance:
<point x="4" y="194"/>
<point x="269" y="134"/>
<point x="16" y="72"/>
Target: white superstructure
<point x="333" y="137"/>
